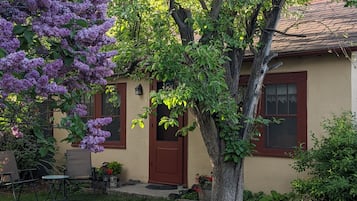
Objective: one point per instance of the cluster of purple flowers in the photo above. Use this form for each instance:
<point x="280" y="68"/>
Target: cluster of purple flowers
<point x="69" y="60"/>
<point x="96" y="136"/>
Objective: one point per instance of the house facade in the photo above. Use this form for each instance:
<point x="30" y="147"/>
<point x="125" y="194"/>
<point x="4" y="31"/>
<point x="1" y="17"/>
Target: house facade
<point x="318" y="78"/>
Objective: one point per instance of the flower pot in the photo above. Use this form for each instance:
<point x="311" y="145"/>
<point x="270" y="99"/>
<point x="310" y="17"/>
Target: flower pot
<point x="113" y="181"/>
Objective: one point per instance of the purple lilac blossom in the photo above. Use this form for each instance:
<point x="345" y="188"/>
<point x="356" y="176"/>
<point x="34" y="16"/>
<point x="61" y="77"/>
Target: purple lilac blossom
<point x="7" y="40"/>
<point x="52" y="69"/>
<point x="80" y="110"/>
<point x="52" y="21"/>
<point x="10" y="84"/>
<point x="11" y="62"/>
<point x="96" y="136"/>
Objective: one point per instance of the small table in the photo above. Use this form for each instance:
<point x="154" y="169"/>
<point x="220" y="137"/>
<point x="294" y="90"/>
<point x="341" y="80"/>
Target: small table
<point x="60" y="182"/>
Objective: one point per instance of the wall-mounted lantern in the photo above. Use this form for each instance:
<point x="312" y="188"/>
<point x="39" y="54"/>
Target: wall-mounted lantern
<point x="139" y="90"/>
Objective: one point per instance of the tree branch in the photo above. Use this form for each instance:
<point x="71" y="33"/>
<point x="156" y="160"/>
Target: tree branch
<point x="268" y="58"/>
<point x="284" y="33"/>
<point x="275" y="66"/>
<point x="131" y="66"/>
<point x="251" y="26"/>
<point x="181" y="16"/>
<point x="216" y="8"/>
<point x="203" y="4"/>
<point x="174" y="14"/>
<point x="252" y="22"/>
<point x="259" y="66"/>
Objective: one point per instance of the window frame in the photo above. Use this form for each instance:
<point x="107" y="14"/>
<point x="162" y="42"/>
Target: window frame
<point x="97" y="99"/>
<point x="300" y="80"/>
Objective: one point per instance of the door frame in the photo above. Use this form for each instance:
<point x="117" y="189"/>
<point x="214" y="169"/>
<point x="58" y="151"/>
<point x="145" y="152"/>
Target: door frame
<point x="152" y="139"/>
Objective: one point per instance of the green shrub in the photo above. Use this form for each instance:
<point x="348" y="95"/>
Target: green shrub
<point x="273" y="196"/>
<point x="36" y="148"/>
<point x="331" y="163"/>
<point x="29" y="151"/>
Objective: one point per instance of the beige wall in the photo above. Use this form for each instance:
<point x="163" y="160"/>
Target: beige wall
<point x="135" y="158"/>
<point x="329" y="91"/>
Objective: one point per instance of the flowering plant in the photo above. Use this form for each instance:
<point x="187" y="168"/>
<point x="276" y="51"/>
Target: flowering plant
<point x="109" y="168"/>
<point x="53" y="50"/>
<point x="115" y="167"/>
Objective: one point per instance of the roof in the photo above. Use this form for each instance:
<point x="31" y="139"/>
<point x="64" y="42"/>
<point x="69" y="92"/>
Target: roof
<point x="327" y="27"/>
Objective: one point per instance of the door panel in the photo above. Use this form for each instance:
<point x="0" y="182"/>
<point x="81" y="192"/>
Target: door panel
<point x="166" y="151"/>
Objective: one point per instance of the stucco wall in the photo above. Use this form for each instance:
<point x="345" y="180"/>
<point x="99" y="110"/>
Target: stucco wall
<point x="135" y="158"/>
<point x="328" y="91"/>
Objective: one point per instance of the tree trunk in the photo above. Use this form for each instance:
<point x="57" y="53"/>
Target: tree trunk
<point x="227" y="182"/>
<point x="227" y="176"/>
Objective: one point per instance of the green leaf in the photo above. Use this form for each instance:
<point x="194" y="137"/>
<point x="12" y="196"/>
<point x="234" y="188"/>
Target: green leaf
<point x="68" y="61"/>
<point x="166" y="125"/>
<point x="2" y="53"/>
<point x="43" y="151"/>
<point x="82" y="23"/>
<point x="141" y="124"/>
<point x="18" y="29"/>
<point x="29" y="37"/>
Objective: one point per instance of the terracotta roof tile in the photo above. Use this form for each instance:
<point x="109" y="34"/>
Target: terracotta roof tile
<point x="326" y="25"/>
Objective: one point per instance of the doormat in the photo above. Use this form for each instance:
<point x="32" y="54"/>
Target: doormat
<point x="161" y="187"/>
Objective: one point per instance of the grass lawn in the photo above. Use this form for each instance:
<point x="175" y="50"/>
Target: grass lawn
<point x="80" y="196"/>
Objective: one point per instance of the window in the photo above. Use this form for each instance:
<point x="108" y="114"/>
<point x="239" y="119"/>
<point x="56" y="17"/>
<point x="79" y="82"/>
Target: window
<point x="99" y="106"/>
<point x="284" y="98"/>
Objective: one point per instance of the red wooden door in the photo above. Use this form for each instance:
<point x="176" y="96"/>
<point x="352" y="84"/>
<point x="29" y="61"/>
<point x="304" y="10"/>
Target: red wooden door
<point x="167" y="153"/>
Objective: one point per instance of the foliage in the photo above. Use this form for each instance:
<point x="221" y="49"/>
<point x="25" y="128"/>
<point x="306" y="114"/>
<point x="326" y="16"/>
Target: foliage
<point x="331" y="163"/>
<point x="52" y="51"/>
<point x="34" y="145"/>
<point x="28" y="151"/>
<point x="199" y="47"/>
<point x="273" y="196"/>
<point x="109" y="168"/>
<point x="351" y="2"/>
<point x="85" y="195"/>
<point x="115" y="167"/>
<point x="152" y="45"/>
<point x="191" y="195"/>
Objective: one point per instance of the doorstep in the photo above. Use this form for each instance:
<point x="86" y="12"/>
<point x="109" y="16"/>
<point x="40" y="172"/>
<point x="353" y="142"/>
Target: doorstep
<point x="141" y="189"/>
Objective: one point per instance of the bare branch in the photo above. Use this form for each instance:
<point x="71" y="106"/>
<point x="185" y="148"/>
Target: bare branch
<point x="131" y="66"/>
<point x="268" y="58"/>
<point x="174" y="14"/>
<point x="275" y="66"/>
<point x="284" y="33"/>
<point x="259" y="66"/>
<point x="216" y="8"/>
<point x="203" y="4"/>
<point x="252" y="22"/>
<point x="181" y="16"/>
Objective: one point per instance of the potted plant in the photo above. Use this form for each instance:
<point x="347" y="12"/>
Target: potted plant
<point x="115" y="167"/>
<point x="204" y="187"/>
<point x="110" y="172"/>
<point x="114" y="170"/>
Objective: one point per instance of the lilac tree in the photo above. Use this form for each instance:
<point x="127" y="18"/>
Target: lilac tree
<point x="52" y="51"/>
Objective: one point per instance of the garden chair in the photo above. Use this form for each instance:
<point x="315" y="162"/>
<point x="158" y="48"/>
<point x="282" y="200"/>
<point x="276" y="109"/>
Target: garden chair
<point x="79" y="166"/>
<point x="11" y="177"/>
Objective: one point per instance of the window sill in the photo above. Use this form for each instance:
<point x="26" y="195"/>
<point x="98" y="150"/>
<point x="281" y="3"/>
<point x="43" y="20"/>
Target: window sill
<point x="286" y="153"/>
